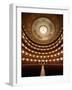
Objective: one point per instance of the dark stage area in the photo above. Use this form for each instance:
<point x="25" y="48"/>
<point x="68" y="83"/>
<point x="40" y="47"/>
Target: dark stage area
<point x="31" y="70"/>
<point x="51" y="70"/>
<point x="35" y="70"/>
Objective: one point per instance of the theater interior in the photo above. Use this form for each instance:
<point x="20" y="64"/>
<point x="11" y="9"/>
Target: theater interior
<point x="41" y="44"/>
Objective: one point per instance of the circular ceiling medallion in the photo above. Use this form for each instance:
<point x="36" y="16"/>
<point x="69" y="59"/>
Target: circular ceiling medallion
<point x="43" y="30"/>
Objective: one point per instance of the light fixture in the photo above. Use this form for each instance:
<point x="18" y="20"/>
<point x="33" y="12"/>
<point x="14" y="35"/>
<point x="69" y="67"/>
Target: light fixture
<point x="39" y="61"/>
<point x="58" y="53"/>
<point x="26" y="47"/>
<point x="56" y="50"/>
<point x="47" y="56"/>
<point x="56" y="45"/>
<point x="33" y="55"/>
<point x="61" y="51"/>
<point x="35" y="60"/>
<point x="22" y="44"/>
<point x="39" y="52"/>
<point x="52" y="51"/>
<point x="61" y="58"/>
<point x="62" y="45"/>
<point x="46" y="53"/>
<point x="43" y="29"/>
<point x="57" y="59"/>
<point x="37" y="56"/>
<point x="29" y="50"/>
<point x="29" y="45"/>
<point x="31" y="60"/>
<point x="40" y="56"/>
<point x="32" y="51"/>
<point x="23" y="59"/>
<point x="53" y="59"/>
<point x="42" y="60"/>
<point x="49" y="60"/>
<point x="27" y="59"/>
<point x="22" y="51"/>
<point x="46" y="60"/>
<point x="51" y="55"/>
<point x="26" y="53"/>
<point x="30" y="55"/>
<point x="59" y="41"/>
<point x="25" y="41"/>
<point x="55" y="55"/>
<point x="44" y="56"/>
<point x="23" y="37"/>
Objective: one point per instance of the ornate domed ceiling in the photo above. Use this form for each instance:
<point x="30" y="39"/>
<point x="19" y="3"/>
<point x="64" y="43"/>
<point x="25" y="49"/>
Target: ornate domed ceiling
<point x="42" y="28"/>
<point x="43" y="31"/>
